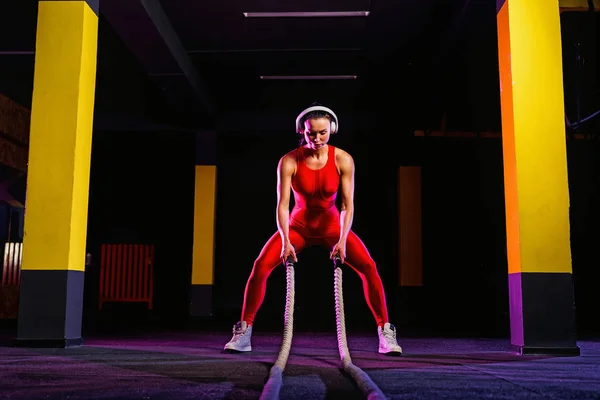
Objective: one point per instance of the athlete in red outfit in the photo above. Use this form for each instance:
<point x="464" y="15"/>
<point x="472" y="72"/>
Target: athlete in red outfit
<point x="315" y="172"/>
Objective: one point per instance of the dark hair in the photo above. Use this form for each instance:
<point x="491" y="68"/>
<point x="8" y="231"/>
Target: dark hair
<point x="310" y="115"/>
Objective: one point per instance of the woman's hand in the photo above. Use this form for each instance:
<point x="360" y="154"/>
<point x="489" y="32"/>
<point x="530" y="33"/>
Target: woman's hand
<point x="340" y="250"/>
<point x="288" y="250"/>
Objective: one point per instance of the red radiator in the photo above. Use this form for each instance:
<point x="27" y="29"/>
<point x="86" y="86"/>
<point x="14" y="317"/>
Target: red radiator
<point x="126" y="273"/>
<point x="11" y="268"/>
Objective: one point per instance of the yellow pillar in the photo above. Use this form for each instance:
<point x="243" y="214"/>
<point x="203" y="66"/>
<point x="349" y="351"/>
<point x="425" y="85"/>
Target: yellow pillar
<point x="204" y="225"/>
<point x="51" y="299"/>
<point x="542" y="315"/>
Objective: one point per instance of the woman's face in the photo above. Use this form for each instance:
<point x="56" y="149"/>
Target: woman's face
<point x="316" y="132"/>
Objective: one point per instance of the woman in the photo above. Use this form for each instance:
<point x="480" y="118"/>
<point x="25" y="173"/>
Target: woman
<point x="315" y="172"/>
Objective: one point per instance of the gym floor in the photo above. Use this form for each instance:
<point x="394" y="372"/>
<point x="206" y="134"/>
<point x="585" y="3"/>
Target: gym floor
<point x="191" y="365"/>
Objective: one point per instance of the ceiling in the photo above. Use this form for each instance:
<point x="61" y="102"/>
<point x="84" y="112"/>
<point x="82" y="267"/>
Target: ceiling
<point x="189" y="63"/>
<point x="384" y="50"/>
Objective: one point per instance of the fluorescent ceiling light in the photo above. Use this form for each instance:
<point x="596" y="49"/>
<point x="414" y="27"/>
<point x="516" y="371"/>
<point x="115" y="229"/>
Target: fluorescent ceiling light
<point x="306" y="14"/>
<point x="16" y="53"/>
<point x="306" y="77"/>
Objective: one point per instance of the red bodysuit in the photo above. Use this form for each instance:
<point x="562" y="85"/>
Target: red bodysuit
<point x="315" y="220"/>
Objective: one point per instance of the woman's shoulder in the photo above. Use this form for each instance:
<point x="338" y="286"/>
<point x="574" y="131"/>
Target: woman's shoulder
<point x="342" y="155"/>
<point x="292" y="154"/>
<point x="290" y="157"/>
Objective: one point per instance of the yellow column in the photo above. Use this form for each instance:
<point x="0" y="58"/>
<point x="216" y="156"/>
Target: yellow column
<point x="535" y="173"/>
<point x="204" y="225"/>
<point x="50" y="307"/>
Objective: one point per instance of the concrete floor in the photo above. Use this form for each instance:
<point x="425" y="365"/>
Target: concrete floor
<point x="190" y="365"/>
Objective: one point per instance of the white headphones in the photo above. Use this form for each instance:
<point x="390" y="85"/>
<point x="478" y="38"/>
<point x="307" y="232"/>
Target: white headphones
<point x="334" y="119"/>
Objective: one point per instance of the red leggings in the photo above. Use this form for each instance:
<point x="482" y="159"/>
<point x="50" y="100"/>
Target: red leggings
<point x="357" y="257"/>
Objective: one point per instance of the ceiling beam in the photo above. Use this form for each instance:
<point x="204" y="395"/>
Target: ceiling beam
<point x="280" y="122"/>
<point x="579" y="5"/>
<point x="146" y="30"/>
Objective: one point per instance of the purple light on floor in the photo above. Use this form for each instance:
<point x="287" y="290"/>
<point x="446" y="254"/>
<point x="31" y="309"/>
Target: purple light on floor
<point x="516" y="309"/>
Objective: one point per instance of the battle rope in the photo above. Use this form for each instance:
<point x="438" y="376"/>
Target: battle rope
<point x="364" y="382"/>
<point x="273" y="386"/>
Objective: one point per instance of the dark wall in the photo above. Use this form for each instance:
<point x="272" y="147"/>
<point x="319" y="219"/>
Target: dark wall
<point x="465" y="268"/>
<point x="142" y="191"/>
<point x="464" y="261"/>
<point x="581" y="71"/>
<point x="584" y="178"/>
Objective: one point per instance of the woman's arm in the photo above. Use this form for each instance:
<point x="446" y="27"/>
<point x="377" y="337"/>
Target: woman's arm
<point x="346" y="166"/>
<point x="285" y="170"/>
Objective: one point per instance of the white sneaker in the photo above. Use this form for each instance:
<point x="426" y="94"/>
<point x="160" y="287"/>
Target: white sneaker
<point x="387" y="340"/>
<point x="242" y="334"/>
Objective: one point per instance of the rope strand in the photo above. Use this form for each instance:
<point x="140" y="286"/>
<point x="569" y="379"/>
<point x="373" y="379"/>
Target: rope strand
<point x="362" y="379"/>
<point x="273" y="386"/>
